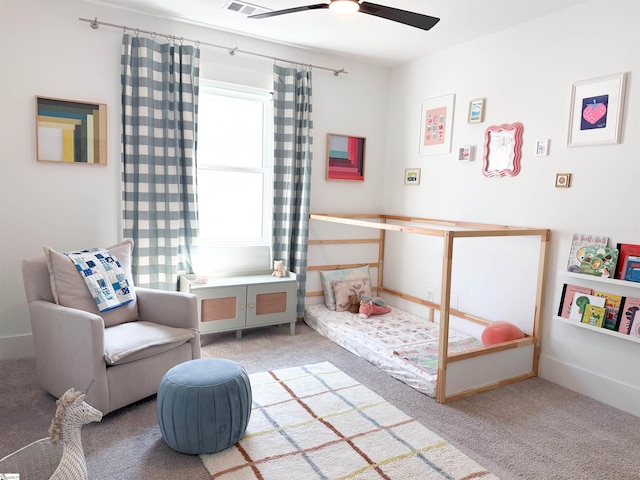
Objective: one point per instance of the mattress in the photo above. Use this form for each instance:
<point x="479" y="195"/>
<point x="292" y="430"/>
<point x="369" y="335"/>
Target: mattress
<point x="401" y="344"/>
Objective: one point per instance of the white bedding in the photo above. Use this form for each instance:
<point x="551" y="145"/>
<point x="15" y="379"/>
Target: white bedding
<point x="403" y="345"/>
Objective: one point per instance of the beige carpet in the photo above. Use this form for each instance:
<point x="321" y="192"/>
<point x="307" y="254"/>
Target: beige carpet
<point x="315" y="421"/>
<point x="531" y="430"/>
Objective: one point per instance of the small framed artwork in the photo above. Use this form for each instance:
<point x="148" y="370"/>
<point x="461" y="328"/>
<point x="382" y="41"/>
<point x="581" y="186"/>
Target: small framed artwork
<point x="502" y="150"/>
<point x="345" y="157"/>
<point x="467" y="153"/>
<point x="597" y="107"/>
<point x="476" y="111"/>
<point x="436" y="125"/>
<point x="542" y="148"/>
<point x="563" y="180"/>
<point x="412" y="176"/>
<point x="69" y="131"/>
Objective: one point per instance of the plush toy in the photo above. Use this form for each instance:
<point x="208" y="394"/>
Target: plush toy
<point x="499" y="332"/>
<point x="372" y="306"/>
<point x="354" y="304"/>
<point x="278" y="269"/>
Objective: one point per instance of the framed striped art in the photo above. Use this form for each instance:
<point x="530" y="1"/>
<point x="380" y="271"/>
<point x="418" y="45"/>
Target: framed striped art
<point x="69" y="131"/>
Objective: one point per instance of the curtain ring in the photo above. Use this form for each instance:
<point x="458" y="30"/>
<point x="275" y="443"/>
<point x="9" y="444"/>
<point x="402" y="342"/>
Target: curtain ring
<point x="124" y="29"/>
<point x="137" y="32"/>
<point x="197" y="44"/>
<point x="181" y="40"/>
<point x="153" y="35"/>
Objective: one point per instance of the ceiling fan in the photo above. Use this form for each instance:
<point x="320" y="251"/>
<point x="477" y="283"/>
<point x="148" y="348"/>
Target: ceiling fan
<point x="418" y="20"/>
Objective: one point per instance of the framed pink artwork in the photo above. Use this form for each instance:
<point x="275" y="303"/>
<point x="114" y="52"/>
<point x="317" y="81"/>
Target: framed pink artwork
<point x="436" y="125"/>
<point x="502" y="150"/>
<point x="345" y="157"/>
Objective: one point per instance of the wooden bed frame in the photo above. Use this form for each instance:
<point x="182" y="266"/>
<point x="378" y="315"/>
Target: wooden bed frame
<point x="459" y="374"/>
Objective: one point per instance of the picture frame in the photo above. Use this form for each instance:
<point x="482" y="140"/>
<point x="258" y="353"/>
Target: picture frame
<point x="345" y="157"/>
<point x="436" y="125"/>
<point x="597" y="107"/>
<point x="476" y="111"/>
<point x="467" y="153"/>
<point x="71" y="131"/>
<point x="563" y="180"/>
<point x="502" y="150"/>
<point x="412" y="176"/>
<point x="542" y="148"/>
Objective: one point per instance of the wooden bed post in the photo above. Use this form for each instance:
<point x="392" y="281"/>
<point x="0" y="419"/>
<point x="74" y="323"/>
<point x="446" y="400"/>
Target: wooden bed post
<point x="381" y="255"/>
<point x="445" y="300"/>
<point x="542" y="262"/>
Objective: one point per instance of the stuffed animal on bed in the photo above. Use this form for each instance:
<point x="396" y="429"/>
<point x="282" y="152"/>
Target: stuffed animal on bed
<point x="354" y="304"/>
<point x="372" y="306"/>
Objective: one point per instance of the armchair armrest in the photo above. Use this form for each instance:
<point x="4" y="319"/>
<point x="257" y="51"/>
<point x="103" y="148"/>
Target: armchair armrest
<point x="69" y="349"/>
<point x="173" y="309"/>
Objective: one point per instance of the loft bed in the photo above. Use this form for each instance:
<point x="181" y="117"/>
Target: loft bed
<point x="442" y="355"/>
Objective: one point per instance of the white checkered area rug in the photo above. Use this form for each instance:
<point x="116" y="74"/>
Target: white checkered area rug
<point x="316" y="422"/>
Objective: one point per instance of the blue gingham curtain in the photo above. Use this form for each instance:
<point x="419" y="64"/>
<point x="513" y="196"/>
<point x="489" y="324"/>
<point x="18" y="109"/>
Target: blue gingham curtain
<point x="159" y="109"/>
<point x="292" y="171"/>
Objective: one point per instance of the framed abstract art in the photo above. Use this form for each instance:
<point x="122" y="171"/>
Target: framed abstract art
<point x="69" y="131"/>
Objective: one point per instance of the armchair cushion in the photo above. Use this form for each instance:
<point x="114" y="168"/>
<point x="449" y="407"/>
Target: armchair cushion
<point x="129" y="342"/>
<point x="70" y="290"/>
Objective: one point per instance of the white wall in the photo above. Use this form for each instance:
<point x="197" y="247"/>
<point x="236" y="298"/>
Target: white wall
<point x="49" y="52"/>
<point x="526" y="74"/>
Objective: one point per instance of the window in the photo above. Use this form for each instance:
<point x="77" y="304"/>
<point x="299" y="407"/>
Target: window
<point x="235" y="165"/>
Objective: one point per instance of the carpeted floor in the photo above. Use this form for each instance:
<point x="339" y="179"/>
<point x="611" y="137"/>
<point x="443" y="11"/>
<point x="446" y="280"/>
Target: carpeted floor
<point x="529" y="430"/>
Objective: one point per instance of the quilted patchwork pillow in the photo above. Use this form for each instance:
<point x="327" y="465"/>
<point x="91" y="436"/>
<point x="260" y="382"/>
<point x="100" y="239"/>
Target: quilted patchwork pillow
<point x="359" y="287"/>
<point x="329" y="276"/>
<point x="70" y="290"/>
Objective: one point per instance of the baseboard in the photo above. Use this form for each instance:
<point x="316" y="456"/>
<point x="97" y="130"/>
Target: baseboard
<point x="606" y="390"/>
<point x="20" y="346"/>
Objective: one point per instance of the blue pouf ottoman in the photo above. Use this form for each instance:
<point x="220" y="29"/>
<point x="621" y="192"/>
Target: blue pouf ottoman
<point x="204" y="405"/>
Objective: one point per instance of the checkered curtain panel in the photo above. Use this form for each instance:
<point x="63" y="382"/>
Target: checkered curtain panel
<point x="159" y="109"/>
<point x="292" y="171"/>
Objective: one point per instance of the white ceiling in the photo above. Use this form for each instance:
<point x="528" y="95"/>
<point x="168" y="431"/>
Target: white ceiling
<point x="364" y="37"/>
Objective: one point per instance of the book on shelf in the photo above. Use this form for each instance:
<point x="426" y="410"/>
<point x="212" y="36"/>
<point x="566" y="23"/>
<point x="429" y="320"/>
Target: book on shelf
<point x="579" y="243"/>
<point x="612" y="304"/>
<point x="635" y="325"/>
<point x="594" y="315"/>
<point x="626" y="250"/>
<point x="632" y="269"/>
<point x="566" y="300"/>
<point x="599" y="261"/>
<point x="630" y="307"/>
<point x="580" y="302"/>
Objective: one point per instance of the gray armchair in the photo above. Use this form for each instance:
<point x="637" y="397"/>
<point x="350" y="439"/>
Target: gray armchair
<point x="126" y="360"/>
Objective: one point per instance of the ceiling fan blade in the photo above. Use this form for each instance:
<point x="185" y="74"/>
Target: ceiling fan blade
<point x="418" y="20"/>
<point x="290" y="10"/>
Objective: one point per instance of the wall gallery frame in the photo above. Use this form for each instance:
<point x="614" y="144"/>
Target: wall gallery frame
<point x="476" y="111"/>
<point x="345" y="157"/>
<point x="502" y="150"/>
<point x="412" y="176"/>
<point x="542" y="148"/>
<point x="597" y="107"/>
<point x="436" y="125"/>
<point x="563" y="180"/>
<point x="69" y="131"/>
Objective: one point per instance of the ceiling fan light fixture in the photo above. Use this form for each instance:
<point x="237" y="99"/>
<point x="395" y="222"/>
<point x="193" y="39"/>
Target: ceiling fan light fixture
<point x="344" y="7"/>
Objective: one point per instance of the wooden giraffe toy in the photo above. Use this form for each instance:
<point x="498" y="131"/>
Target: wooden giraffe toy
<point x="72" y="413"/>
